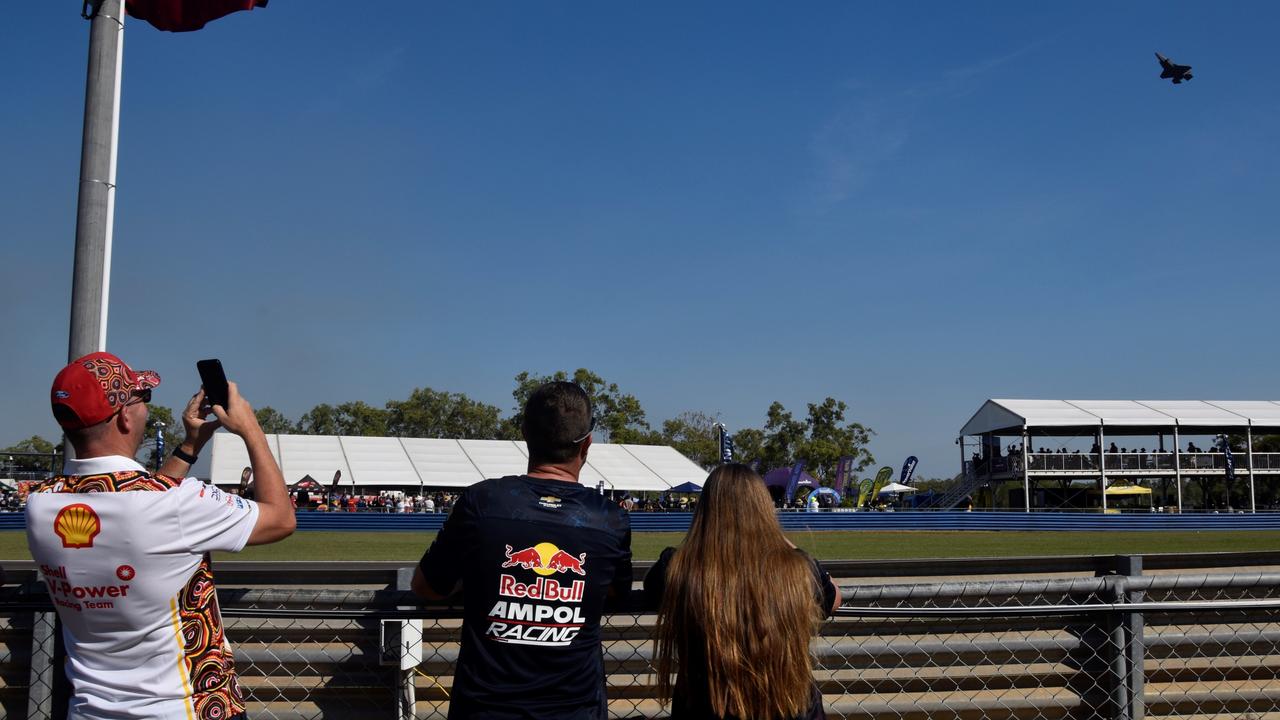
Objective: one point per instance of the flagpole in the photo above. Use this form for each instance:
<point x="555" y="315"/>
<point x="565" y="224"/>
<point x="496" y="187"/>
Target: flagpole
<point x="95" y="209"/>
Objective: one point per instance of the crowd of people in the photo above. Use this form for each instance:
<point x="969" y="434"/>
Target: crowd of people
<point x="385" y="501"/>
<point x="1014" y="450"/>
<point x="124" y="553"/>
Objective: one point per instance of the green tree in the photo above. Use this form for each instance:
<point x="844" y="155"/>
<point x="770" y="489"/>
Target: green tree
<point x="319" y="420"/>
<point x="621" y="418"/>
<point x="821" y="439"/>
<point x="830" y="438"/>
<point x="350" y="419"/>
<point x="36" y="446"/>
<point x="274" y="422"/>
<point x="439" y="414"/>
<point x="1267" y="443"/>
<point x="695" y="436"/>
<point x="748" y="444"/>
<point x="783" y="435"/>
<point x="360" y="419"/>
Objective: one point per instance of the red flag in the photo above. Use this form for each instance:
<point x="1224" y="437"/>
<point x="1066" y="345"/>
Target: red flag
<point x="186" y="15"/>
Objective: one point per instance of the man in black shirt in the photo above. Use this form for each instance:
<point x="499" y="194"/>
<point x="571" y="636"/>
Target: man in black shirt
<point x="538" y="555"/>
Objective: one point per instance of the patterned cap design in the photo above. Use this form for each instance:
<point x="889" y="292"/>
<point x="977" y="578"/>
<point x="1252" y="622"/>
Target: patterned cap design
<point x="95" y="387"/>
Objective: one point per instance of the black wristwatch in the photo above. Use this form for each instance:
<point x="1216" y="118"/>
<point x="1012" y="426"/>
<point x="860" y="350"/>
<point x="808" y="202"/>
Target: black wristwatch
<point x="188" y="459"/>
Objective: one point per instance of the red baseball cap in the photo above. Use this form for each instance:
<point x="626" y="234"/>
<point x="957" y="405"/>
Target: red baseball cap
<point x="95" y="387"/>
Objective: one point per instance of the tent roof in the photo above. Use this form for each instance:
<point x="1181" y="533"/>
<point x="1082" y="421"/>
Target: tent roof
<point x="1009" y="415"/>
<point x="434" y="462"/>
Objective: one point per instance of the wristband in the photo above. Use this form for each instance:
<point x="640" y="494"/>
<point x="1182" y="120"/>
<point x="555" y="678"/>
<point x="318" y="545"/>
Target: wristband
<point x="188" y="459"/>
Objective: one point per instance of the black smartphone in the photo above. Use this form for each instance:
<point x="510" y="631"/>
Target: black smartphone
<point x="214" y="381"/>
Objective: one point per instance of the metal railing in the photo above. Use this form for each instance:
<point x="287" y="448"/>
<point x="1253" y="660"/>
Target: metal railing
<point x="1121" y="645"/>
<point x="1143" y="462"/>
<point x="1266" y="461"/>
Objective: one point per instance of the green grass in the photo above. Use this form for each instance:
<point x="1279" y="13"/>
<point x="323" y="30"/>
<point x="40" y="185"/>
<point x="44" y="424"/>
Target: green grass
<point x="864" y="545"/>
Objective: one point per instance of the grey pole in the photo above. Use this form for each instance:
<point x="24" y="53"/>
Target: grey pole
<point x="95" y="210"/>
<point x="1177" y="465"/>
<point x="1026" y="473"/>
<point x="1253" y="504"/>
<point x="1102" y="465"/>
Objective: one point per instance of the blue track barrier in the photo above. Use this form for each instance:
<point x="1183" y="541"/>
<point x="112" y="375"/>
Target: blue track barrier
<point x="940" y="521"/>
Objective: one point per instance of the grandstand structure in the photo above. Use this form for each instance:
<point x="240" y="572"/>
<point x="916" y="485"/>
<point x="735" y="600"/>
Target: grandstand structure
<point x="1006" y="431"/>
<point x="410" y="464"/>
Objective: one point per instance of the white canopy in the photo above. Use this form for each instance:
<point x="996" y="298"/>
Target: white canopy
<point x="433" y="462"/>
<point x="1010" y="415"/>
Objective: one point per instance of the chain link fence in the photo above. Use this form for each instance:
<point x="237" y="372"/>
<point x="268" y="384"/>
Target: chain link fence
<point x="1122" y="645"/>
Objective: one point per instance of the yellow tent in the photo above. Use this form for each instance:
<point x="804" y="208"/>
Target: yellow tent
<point x="1115" y="490"/>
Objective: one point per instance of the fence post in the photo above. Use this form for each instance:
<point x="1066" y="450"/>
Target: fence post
<point x="402" y="650"/>
<point x="1119" y="658"/>
<point x="44" y="636"/>
<point x="1135" y="645"/>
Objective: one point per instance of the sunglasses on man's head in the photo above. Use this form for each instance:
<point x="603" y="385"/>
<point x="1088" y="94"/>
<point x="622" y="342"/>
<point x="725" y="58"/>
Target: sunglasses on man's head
<point x="590" y="429"/>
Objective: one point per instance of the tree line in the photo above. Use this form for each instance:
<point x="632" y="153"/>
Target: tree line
<point x="819" y="437"/>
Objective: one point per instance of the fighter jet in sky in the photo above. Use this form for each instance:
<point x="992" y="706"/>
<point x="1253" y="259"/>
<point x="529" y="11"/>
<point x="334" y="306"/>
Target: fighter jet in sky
<point x="1170" y="69"/>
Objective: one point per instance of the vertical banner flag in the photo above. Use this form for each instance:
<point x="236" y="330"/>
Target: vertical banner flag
<point x="185" y="15"/>
<point x="159" y="446"/>
<point x="882" y="478"/>
<point x="726" y="446"/>
<point x="797" y="471"/>
<point x="1231" y="460"/>
<point x="908" y="469"/>
<point x="864" y="491"/>
<point x="842" y="474"/>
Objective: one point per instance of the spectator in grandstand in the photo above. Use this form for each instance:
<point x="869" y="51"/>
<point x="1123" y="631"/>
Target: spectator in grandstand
<point x="125" y="552"/>
<point x="537" y="555"/>
<point x="1113" y="448"/>
<point x="735" y="574"/>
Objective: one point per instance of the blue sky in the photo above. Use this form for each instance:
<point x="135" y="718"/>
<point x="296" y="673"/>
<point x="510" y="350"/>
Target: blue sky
<point x="909" y="207"/>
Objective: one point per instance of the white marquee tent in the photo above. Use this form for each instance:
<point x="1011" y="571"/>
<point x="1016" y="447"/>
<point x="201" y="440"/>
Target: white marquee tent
<point x="1010" y="416"/>
<point x="429" y="462"/>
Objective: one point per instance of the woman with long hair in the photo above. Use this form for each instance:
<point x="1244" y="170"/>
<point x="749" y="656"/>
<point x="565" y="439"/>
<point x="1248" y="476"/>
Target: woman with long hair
<point x="738" y="604"/>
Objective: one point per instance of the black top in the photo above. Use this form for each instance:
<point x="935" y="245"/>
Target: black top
<point x="536" y="559"/>
<point x="695" y="703"/>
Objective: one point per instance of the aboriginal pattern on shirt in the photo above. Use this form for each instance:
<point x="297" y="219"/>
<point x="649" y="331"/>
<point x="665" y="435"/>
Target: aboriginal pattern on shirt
<point x="123" y="481"/>
<point x="216" y="692"/>
<point x="216" y="688"/>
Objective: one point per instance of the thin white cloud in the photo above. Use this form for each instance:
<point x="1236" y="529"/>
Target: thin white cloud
<point x="863" y="135"/>
<point x="965" y="72"/>
<point x="853" y="144"/>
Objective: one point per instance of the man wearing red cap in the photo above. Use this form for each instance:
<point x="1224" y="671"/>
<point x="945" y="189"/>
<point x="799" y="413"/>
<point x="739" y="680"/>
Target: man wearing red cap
<point x="124" y="553"/>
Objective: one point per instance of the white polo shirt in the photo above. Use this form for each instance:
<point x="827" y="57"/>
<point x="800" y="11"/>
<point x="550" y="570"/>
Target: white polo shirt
<point x="123" y="555"/>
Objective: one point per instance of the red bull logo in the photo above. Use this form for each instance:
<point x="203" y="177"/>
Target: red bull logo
<point x="546" y="559"/>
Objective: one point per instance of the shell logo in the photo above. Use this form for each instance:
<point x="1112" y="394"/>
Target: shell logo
<point x="77" y="525"/>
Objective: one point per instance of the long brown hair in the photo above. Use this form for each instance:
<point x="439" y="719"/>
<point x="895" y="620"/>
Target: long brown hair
<point x="739" y="596"/>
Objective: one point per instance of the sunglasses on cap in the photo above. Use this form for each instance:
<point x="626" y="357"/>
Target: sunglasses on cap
<point x="139" y="396"/>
